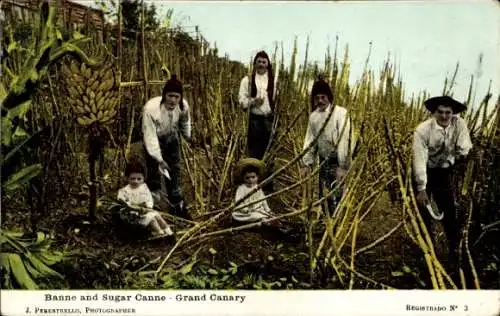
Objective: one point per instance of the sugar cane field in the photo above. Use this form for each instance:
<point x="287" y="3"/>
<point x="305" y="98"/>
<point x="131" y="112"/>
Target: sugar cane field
<point x="72" y="99"/>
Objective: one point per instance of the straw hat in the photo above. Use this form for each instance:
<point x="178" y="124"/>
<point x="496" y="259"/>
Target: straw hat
<point x="246" y="164"/>
<point x="433" y="103"/>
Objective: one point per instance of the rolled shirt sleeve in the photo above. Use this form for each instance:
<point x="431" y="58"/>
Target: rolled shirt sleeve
<point x="150" y="137"/>
<point x="244" y="94"/>
<point x="420" y="157"/>
<point x="185" y="121"/>
<point x="344" y="140"/>
<point x="310" y="155"/>
<point x="464" y="143"/>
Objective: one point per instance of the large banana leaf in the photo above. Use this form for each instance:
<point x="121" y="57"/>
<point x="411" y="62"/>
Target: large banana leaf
<point x="20" y="178"/>
<point x="3" y="92"/>
<point x="26" y="260"/>
<point x="9" y="131"/>
<point x="20" y="273"/>
<point x="14" y="150"/>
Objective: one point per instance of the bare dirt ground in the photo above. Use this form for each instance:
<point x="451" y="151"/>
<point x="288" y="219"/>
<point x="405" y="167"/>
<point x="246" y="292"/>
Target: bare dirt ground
<point x="99" y="253"/>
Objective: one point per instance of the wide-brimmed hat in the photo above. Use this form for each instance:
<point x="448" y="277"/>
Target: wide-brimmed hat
<point x="433" y="103"/>
<point x="247" y="164"/>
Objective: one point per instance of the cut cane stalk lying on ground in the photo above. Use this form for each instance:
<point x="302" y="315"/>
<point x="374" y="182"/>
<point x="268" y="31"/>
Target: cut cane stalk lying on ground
<point x="216" y="115"/>
<point x="370" y="135"/>
<point x="190" y="233"/>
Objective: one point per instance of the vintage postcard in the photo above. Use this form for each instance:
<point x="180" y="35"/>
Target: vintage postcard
<point x="250" y="157"/>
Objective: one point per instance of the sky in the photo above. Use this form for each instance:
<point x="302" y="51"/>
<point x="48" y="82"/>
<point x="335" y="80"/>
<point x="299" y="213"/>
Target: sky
<point x="426" y="38"/>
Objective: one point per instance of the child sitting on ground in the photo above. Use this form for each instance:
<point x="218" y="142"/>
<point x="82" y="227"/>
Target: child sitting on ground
<point x="136" y="193"/>
<point x="247" y="176"/>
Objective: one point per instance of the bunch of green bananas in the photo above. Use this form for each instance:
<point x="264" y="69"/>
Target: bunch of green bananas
<point x="92" y="94"/>
<point x="26" y="259"/>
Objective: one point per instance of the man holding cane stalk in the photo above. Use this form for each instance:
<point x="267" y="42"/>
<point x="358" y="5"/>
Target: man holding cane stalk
<point x="333" y="144"/>
<point x="440" y="144"/>
<point x="164" y="120"/>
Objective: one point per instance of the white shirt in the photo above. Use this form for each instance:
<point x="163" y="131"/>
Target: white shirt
<point x="157" y="120"/>
<point x="333" y="134"/>
<point x="435" y="146"/>
<point x="245" y="212"/>
<point x="136" y="196"/>
<point x="244" y="94"/>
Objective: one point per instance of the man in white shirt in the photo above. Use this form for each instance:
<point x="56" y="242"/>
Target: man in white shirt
<point x="333" y="144"/>
<point x="438" y="144"/>
<point x="256" y="95"/>
<point x="164" y="120"/>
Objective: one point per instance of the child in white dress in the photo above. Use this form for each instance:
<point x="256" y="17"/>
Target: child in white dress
<point x="247" y="176"/>
<point x="136" y="193"/>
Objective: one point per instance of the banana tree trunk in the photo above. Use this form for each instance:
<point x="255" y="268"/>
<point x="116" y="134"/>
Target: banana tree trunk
<point x="92" y="182"/>
<point x="95" y="154"/>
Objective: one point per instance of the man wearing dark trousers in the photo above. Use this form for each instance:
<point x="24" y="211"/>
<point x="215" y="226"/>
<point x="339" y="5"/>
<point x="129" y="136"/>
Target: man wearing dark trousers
<point x="256" y="94"/>
<point x="439" y="144"/>
<point x="165" y="119"/>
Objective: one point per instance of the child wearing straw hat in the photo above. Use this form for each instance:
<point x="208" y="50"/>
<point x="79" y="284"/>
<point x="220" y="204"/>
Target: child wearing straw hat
<point x="255" y="208"/>
<point x="438" y="144"/>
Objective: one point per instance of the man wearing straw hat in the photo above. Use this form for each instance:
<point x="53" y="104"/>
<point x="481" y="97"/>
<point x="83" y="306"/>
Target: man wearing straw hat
<point x="164" y="120"/>
<point x="332" y="145"/>
<point x="439" y="143"/>
<point x="256" y="94"/>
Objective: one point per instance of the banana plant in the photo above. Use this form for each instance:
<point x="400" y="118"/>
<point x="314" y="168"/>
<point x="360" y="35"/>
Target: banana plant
<point x="20" y="82"/>
<point x="46" y="49"/>
<point x="22" y="259"/>
<point x="15" y="179"/>
<point x="25" y="260"/>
